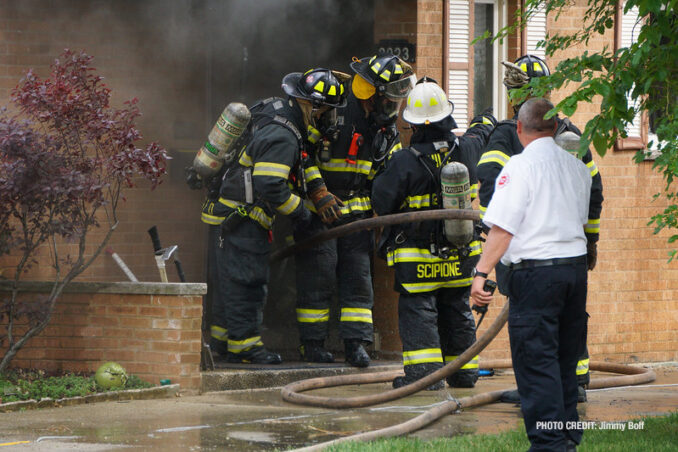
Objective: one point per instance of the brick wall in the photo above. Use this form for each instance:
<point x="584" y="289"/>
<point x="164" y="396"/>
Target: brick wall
<point x="152" y="330"/>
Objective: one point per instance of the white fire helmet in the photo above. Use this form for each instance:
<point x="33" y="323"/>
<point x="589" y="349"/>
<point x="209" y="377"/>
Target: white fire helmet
<point x="427" y="103"/>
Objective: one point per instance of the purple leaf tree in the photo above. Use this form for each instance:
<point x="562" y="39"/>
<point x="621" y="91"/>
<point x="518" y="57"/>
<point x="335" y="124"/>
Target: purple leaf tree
<point x="65" y="159"/>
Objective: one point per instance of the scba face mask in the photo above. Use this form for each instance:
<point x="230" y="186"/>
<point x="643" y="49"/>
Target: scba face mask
<point x="324" y="125"/>
<point x="386" y="110"/>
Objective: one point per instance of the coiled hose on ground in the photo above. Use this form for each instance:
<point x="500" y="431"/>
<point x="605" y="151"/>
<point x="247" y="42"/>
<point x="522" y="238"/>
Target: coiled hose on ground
<point x="631" y="375"/>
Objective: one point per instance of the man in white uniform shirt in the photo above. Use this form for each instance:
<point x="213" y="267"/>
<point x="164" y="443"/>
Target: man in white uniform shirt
<point x="537" y="217"/>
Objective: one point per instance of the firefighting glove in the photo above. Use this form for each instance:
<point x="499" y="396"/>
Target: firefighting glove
<point x="591" y="255"/>
<point x="326" y="204"/>
<point x="486" y="117"/>
<point x="193" y="179"/>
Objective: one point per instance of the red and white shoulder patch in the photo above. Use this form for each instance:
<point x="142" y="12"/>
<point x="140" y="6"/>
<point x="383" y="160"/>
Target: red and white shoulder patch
<point x="503" y="181"/>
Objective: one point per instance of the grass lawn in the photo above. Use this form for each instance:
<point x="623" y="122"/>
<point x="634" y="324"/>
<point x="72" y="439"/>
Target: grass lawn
<point x="16" y="385"/>
<point x="658" y="434"/>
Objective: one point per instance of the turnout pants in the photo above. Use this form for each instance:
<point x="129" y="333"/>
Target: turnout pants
<point x="244" y="272"/>
<point x="216" y="312"/>
<point x="341" y="265"/>
<point x="547" y="332"/>
<point x="435" y="328"/>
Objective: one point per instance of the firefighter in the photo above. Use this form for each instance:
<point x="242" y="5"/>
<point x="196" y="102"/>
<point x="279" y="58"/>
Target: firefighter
<point x="257" y="188"/>
<point x="366" y="131"/>
<point x="503" y="144"/>
<point x="432" y="275"/>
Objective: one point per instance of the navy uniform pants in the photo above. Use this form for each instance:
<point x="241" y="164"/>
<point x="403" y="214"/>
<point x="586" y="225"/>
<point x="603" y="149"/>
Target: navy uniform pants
<point x="341" y="265"/>
<point x="583" y="376"/>
<point x="547" y="332"/>
<point x="243" y="273"/>
<point x="435" y="328"/>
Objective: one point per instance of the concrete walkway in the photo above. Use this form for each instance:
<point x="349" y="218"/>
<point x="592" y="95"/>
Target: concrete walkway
<point x="254" y="420"/>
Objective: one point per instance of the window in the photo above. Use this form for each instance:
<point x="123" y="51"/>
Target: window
<point x="627" y="27"/>
<point x="475" y="72"/>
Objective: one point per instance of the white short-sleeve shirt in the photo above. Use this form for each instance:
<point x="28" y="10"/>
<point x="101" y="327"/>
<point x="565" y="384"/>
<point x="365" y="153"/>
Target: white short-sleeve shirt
<point x="542" y="198"/>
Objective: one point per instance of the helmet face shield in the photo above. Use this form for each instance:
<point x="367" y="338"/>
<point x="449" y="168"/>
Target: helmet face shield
<point x="399" y="89"/>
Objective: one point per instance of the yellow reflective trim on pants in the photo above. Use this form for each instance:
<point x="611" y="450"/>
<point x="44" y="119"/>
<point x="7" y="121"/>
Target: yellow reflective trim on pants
<point x="425" y="355"/>
<point x="593" y="167"/>
<point x="583" y="367"/>
<point x="271" y="169"/>
<point x="219" y="333"/>
<point x="473" y="364"/>
<point x="288" y="206"/>
<point x="211" y="219"/>
<point x="244" y="345"/>
<point x="593" y="226"/>
<point x="356" y="315"/>
<point x="495" y="157"/>
<point x="313" y="315"/>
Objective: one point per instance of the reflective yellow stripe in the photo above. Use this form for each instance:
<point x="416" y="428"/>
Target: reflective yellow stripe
<point x="474" y="191"/>
<point x="426" y="355"/>
<point x="245" y="160"/>
<point x="583" y="367"/>
<point x="356" y="315"/>
<point x="402" y="255"/>
<point x="341" y="165"/>
<point x="482" y="210"/>
<point x="211" y="219"/>
<point x="244" y="345"/>
<point x="495" y="157"/>
<point x="593" y="226"/>
<point x="313" y="315"/>
<point x="256" y="213"/>
<point x="434" y="285"/>
<point x="219" y="333"/>
<point x="288" y="206"/>
<point x="356" y="204"/>
<point x="473" y="364"/>
<point x="271" y="169"/>
<point x="593" y="167"/>
<point x="312" y="173"/>
<point x="418" y="201"/>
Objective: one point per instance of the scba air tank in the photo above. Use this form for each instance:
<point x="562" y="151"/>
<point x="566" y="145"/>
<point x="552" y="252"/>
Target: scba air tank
<point x="219" y="149"/>
<point x="456" y="192"/>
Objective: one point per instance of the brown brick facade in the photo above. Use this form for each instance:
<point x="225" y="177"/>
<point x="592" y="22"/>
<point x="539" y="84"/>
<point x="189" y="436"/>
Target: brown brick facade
<point x="152" y="330"/>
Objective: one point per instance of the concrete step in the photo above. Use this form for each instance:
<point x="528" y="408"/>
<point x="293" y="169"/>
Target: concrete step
<point x="229" y="376"/>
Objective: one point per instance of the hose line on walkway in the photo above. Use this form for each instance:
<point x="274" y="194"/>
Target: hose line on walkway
<point x="293" y="391"/>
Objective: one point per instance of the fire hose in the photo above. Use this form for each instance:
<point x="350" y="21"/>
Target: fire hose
<point x="293" y="392"/>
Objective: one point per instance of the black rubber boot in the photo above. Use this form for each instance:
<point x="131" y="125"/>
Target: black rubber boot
<point x="399" y="382"/>
<point x="218" y="347"/>
<point x="356" y="355"/>
<point x="258" y="355"/>
<point x="510" y="397"/>
<point x="463" y="379"/>
<point x="314" y="352"/>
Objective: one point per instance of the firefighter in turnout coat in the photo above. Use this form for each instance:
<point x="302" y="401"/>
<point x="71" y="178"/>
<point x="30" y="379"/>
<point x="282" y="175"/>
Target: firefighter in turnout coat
<point x="432" y="275"/>
<point x="267" y="180"/>
<point x="502" y="145"/>
<point x="366" y="132"/>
